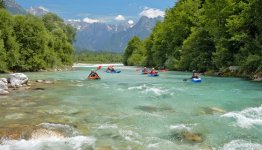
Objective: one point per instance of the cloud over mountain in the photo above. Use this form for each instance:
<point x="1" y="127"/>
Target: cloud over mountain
<point x="152" y="13"/>
<point x="89" y="20"/>
<point x="120" y="18"/>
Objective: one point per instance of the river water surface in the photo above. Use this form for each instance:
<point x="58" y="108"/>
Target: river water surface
<point x="133" y="111"/>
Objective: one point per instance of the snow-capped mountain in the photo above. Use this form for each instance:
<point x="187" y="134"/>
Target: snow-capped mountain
<point x="38" y="11"/>
<point x="110" y="37"/>
<point x="14" y="8"/>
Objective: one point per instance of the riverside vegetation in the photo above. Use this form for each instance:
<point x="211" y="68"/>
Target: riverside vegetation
<point x="206" y="36"/>
<point x="86" y="56"/>
<point x="30" y="43"/>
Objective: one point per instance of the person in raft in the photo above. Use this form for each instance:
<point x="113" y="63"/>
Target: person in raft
<point x="144" y="70"/>
<point x="195" y="75"/>
<point x="93" y="74"/>
<point x="110" y="69"/>
<point x="153" y="71"/>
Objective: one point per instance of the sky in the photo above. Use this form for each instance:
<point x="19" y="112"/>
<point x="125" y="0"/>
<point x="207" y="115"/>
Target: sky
<point x="102" y="10"/>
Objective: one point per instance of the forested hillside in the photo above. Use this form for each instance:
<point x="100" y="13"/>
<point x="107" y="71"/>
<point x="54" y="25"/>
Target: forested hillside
<point x="98" y="57"/>
<point x="29" y="43"/>
<point x="204" y="35"/>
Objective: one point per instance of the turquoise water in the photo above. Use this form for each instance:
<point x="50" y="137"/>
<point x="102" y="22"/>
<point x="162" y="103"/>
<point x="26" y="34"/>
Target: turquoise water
<point x="133" y="111"/>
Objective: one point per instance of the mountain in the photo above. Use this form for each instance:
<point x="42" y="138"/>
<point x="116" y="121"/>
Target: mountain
<point x="142" y="29"/>
<point x="108" y="37"/>
<point x="14" y="8"/>
<point x="38" y="11"/>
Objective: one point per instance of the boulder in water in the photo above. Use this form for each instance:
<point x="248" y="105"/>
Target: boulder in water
<point x="39" y="81"/>
<point x="3" y="92"/>
<point x="3" y="84"/>
<point x="15" y="132"/>
<point x="194" y="137"/>
<point x="17" y="79"/>
<point x="38" y="89"/>
<point x="219" y="110"/>
<point x="212" y="110"/>
<point x="257" y="78"/>
<point x="45" y="134"/>
<point x="48" y="82"/>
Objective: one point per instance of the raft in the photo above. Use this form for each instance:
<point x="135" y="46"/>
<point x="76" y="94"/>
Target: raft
<point x="116" y="71"/>
<point x="196" y="80"/>
<point x="93" y="78"/>
<point x="153" y="75"/>
<point x="146" y="72"/>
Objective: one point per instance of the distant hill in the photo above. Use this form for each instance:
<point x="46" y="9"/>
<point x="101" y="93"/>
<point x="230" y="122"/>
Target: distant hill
<point x="106" y="37"/>
<point x="14" y="8"/>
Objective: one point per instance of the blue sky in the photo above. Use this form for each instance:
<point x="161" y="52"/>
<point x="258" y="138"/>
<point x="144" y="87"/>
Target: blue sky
<point x="101" y="10"/>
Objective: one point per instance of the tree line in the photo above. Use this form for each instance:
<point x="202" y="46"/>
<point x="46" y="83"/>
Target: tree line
<point x="30" y="43"/>
<point x="203" y="35"/>
<point x="98" y="57"/>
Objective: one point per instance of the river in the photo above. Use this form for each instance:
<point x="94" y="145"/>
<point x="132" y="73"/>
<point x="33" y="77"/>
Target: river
<point x="133" y="111"/>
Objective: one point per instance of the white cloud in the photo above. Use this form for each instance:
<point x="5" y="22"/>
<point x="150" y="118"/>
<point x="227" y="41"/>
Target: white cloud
<point x="74" y="20"/>
<point x="130" y="22"/>
<point x="120" y="18"/>
<point x="152" y="12"/>
<point x="89" y="20"/>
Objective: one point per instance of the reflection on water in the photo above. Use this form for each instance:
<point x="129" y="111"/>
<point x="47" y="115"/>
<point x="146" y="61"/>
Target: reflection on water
<point x="132" y="111"/>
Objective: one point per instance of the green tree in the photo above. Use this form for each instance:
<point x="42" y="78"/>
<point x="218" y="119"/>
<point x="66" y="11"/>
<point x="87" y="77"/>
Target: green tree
<point x="197" y="51"/>
<point x="9" y="40"/>
<point x="135" y="46"/>
<point x="3" y="64"/>
<point x="2" y="4"/>
<point x="31" y="36"/>
<point x="62" y="38"/>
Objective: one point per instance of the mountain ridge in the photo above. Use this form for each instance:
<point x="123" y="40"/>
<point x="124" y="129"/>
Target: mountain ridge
<point x="14" y="8"/>
<point x="108" y="37"/>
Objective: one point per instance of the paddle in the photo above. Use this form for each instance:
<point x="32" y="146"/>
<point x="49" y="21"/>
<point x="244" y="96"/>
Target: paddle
<point x="187" y="79"/>
<point x="98" y="68"/>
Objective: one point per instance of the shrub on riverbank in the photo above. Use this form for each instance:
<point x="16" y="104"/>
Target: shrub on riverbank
<point x="29" y="43"/>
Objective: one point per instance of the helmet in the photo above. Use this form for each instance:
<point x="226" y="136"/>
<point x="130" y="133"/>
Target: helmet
<point x="153" y="68"/>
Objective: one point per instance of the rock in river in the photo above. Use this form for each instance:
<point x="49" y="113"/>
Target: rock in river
<point x="17" y="79"/>
<point x="3" y="84"/>
<point x="3" y="92"/>
<point x="194" y="137"/>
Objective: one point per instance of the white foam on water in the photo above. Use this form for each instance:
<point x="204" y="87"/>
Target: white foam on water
<point x="154" y="115"/>
<point x="79" y="85"/>
<point x="130" y="136"/>
<point x="182" y="127"/>
<point x="241" y="145"/>
<point x="157" y="91"/>
<point x="138" y="87"/>
<point x="147" y="89"/>
<point x="155" y="143"/>
<point x="108" y="126"/>
<point x="74" y="143"/>
<point x="248" y="117"/>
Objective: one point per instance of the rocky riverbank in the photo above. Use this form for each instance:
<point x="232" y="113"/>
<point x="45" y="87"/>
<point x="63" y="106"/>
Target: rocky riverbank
<point x="234" y="71"/>
<point x="19" y="81"/>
